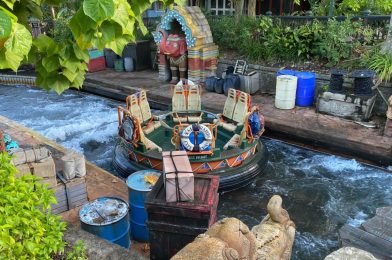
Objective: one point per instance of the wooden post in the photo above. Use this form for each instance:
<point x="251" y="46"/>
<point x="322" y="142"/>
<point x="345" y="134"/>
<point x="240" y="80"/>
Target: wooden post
<point x="281" y="7"/>
<point x="331" y="7"/>
<point x="270" y="5"/>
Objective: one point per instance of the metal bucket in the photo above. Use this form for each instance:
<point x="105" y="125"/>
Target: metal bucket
<point x="108" y="218"/>
<point x="138" y="189"/>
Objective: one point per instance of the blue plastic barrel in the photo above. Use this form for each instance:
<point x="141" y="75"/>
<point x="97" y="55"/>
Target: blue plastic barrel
<point x="285" y="72"/>
<point x="108" y="218"/>
<point x="138" y="189"/>
<point x="306" y="86"/>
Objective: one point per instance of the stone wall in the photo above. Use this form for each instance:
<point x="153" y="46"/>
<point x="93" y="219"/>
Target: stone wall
<point x="268" y="82"/>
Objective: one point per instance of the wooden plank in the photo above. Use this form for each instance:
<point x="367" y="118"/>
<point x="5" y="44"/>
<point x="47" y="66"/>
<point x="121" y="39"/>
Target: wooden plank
<point x="381" y="224"/>
<point x="379" y="247"/>
<point x="76" y="191"/>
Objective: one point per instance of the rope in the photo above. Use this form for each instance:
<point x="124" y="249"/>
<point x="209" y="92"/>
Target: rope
<point x="177" y="184"/>
<point x="389" y="112"/>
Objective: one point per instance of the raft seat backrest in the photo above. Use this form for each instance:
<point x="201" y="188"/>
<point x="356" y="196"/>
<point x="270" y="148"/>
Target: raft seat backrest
<point x="230" y="104"/>
<point x="241" y="108"/>
<point x="179" y="102"/>
<point x="194" y="103"/>
<point x="134" y="107"/>
<point x="144" y="106"/>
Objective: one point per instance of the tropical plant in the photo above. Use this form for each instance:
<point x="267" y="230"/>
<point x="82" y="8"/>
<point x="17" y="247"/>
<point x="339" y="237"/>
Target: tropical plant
<point x="78" y="252"/>
<point x="355" y="6"/>
<point x="28" y="230"/>
<point x="380" y="62"/>
<point x="336" y="41"/>
<point x="60" y="65"/>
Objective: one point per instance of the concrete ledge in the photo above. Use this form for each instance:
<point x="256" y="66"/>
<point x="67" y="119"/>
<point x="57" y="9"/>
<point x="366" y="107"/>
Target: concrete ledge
<point x="268" y="82"/>
<point x="98" y="248"/>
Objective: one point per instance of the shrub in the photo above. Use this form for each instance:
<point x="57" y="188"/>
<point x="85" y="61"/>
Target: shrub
<point x="268" y="39"/>
<point x="336" y="41"/>
<point x="28" y="230"/>
<point x="380" y="62"/>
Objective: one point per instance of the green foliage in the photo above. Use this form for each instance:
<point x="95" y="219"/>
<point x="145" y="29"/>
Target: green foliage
<point x="381" y="63"/>
<point x="28" y="230"/>
<point x="336" y="41"/>
<point x="355" y="6"/>
<point x="269" y="39"/>
<point x="61" y="60"/>
<point x="78" y="252"/>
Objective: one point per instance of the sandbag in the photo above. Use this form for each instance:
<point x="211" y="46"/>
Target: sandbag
<point x="44" y="169"/>
<point x="219" y="86"/>
<point x="28" y="155"/>
<point x="231" y="81"/>
<point x="73" y="165"/>
<point x="210" y="83"/>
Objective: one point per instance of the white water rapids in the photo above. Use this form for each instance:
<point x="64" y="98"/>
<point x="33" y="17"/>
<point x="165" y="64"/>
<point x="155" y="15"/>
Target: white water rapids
<point x="321" y="192"/>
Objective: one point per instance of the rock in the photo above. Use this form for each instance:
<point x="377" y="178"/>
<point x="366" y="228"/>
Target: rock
<point x="237" y="235"/>
<point x="275" y="234"/>
<point x="350" y="253"/>
<point x="207" y="248"/>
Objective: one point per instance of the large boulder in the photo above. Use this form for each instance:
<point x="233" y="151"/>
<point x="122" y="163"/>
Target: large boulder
<point x="207" y="248"/>
<point x="350" y="253"/>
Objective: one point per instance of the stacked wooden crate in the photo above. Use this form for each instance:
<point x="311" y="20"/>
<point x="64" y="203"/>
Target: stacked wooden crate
<point x="97" y="60"/>
<point x="69" y="194"/>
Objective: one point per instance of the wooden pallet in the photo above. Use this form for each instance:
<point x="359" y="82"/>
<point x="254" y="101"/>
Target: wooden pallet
<point x="69" y="194"/>
<point x="375" y="235"/>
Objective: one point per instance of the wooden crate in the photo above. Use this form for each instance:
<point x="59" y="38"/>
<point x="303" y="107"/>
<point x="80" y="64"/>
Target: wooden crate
<point x="175" y="224"/>
<point x="69" y="194"/>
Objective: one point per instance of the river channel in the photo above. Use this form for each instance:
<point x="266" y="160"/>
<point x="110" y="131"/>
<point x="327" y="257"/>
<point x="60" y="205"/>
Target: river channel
<point x="321" y="192"/>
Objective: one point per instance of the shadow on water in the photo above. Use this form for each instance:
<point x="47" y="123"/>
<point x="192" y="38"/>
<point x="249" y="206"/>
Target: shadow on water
<point x="320" y="192"/>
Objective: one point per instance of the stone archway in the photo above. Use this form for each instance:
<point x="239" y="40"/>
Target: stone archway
<point x="202" y="51"/>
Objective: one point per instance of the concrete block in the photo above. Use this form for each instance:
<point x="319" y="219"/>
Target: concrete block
<point x="346" y="106"/>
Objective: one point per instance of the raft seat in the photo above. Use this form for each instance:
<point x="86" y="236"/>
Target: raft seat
<point x="134" y="108"/>
<point x="236" y="140"/>
<point x="150" y="145"/>
<point x="150" y="122"/>
<point x="241" y="108"/>
<point x="179" y="103"/>
<point x="234" y="111"/>
<point x="194" y="103"/>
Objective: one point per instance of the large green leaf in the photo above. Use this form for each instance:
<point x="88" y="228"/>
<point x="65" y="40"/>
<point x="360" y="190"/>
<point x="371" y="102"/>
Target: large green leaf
<point x="50" y="63"/>
<point x="118" y="45"/>
<point x="10" y="3"/>
<point x="80" y="54"/>
<point x="5" y="25"/>
<point x="17" y="46"/>
<point x="98" y="10"/>
<point x="80" y="23"/>
<point x="122" y="12"/>
<point x="107" y="34"/>
<point x="45" y="44"/>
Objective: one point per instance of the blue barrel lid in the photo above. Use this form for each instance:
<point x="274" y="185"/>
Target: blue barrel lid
<point x="136" y="181"/>
<point x="103" y="211"/>
<point x="286" y="72"/>
<point x="305" y="74"/>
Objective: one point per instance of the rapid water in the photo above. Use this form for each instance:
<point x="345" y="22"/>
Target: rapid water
<point x="320" y="192"/>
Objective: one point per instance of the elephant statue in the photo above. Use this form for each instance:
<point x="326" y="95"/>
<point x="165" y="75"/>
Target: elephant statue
<point x="174" y="47"/>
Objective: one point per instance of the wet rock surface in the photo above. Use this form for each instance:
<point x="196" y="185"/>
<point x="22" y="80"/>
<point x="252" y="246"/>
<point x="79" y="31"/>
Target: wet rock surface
<point x="97" y="248"/>
<point x="350" y="253"/>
